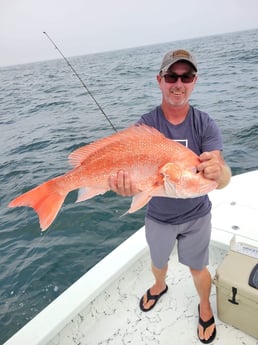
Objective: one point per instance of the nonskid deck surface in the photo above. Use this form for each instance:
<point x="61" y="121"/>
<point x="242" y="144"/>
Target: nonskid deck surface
<point x="114" y="317"/>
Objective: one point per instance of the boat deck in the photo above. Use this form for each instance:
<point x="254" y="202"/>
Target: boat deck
<point x="102" y="307"/>
<point x="114" y="317"/>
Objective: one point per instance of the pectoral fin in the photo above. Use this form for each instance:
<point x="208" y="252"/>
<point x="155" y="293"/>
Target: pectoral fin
<point x="172" y="175"/>
<point x="142" y="198"/>
<point x="89" y="192"/>
<point x="139" y="201"/>
<point x="170" y="188"/>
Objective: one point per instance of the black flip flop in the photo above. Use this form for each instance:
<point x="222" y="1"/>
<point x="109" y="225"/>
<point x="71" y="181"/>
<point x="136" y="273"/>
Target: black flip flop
<point x="206" y="324"/>
<point x="152" y="297"/>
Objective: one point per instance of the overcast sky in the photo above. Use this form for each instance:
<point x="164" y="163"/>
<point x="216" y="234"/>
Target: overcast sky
<point x="86" y="26"/>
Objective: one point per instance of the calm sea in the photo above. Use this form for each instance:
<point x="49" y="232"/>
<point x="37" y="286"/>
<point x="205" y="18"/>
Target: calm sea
<point x="45" y="114"/>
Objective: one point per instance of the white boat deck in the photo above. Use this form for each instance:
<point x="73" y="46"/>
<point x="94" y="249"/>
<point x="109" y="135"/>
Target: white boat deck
<point x="114" y="318"/>
<point x="101" y="308"/>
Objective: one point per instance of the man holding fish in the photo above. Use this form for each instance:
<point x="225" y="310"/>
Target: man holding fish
<point x="172" y="176"/>
<point x="186" y="220"/>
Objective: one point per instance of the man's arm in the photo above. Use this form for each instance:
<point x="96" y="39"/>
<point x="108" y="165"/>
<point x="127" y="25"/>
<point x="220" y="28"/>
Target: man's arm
<point x="215" y="168"/>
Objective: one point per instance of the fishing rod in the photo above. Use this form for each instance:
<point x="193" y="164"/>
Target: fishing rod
<point x="82" y="82"/>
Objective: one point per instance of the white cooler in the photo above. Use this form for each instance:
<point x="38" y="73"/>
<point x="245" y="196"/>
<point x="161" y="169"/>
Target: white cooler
<point x="236" y="283"/>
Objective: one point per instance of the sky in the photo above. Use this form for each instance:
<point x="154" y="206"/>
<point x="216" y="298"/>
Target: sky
<point x="81" y="27"/>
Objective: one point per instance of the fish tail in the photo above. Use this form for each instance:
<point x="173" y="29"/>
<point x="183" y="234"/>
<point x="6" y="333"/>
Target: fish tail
<point x="46" y="200"/>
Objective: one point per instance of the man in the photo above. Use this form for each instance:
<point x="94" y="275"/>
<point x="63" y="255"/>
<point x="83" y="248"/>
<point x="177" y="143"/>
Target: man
<point x="186" y="220"/>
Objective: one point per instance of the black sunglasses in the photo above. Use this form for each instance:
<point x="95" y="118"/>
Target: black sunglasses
<point x="173" y="78"/>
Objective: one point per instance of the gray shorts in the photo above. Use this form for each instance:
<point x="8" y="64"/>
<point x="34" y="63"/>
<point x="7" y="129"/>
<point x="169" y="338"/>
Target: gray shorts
<point x="193" y="240"/>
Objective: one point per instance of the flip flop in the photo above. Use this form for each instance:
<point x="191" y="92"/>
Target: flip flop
<point x="151" y="297"/>
<point x="206" y="324"/>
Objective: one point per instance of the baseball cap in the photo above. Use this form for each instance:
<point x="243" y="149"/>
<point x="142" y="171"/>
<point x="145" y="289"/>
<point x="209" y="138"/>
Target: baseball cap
<point x="177" y="55"/>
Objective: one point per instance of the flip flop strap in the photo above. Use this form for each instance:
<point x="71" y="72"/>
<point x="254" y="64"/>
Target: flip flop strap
<point x="206" y="324"/>
<point x="151" y="297"/>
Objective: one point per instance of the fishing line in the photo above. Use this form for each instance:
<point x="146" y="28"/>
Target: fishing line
<point x="82" y="82"/>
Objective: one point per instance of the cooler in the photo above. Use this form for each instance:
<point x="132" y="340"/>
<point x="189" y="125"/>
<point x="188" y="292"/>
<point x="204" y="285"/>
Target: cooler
<point x="237" y="301"/>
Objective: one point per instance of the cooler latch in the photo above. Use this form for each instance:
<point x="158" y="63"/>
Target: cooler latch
<point x="234" y="293"/>
<point x="253" y="278"/>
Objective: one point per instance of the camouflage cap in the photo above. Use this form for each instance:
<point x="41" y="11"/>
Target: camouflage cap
<point x="177" y="55"/>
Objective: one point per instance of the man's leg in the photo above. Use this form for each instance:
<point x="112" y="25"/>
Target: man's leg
<point x="202" y="281"/>
<point x="159" y="285"/>
<point x="161" y="238"/>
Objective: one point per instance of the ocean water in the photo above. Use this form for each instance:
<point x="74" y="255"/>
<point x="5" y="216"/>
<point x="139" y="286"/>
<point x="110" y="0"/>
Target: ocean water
<point x="45" y="114"/>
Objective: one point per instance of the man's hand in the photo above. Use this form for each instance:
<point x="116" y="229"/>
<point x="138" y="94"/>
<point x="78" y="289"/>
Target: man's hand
<point x="214" y="168"/>
<point x="121" y="184"/>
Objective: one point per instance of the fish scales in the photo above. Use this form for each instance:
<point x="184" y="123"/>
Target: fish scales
<point x="158" y="166"/>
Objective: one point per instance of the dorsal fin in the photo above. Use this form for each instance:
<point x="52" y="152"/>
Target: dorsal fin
<point x="77" y="157"/>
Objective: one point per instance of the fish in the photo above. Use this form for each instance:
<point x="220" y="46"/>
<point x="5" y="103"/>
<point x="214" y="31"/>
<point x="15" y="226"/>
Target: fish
<point x="158" y="166"/>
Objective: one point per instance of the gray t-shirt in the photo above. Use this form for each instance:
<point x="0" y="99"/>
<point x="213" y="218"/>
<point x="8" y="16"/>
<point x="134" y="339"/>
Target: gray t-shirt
<point x="199" y="133"/>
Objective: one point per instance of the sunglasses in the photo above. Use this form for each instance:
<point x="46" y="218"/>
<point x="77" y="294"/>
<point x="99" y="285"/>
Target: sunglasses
<point x="173" y="78"/>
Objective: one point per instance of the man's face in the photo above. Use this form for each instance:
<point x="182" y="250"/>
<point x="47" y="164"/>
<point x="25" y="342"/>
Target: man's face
<point x="177" y="93"/>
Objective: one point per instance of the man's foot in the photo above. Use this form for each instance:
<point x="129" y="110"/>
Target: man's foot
<point x="206" y="330"/>
<point x="148" y="297"/>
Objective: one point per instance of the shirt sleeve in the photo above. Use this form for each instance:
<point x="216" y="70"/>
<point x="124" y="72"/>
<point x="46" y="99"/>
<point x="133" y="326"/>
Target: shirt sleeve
<point x="212" y="139"/>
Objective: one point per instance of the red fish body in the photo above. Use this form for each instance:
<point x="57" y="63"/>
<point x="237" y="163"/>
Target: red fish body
<point x="157" y="165"/>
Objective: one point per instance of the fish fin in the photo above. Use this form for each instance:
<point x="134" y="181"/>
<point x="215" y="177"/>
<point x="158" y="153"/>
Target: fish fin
<point x="170" y="188"/>
<point x="139" y="201"/>
<point x="140" y="131"/>
<point x="142" y="198"/>
<point x="46" y="200"/>
<point x="89" y="192"/>
<point x="172" y="175"/>
<point x="159" y="191"/>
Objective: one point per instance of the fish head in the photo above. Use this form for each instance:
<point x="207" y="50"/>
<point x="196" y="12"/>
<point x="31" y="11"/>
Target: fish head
<point x="185" y="183"/>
